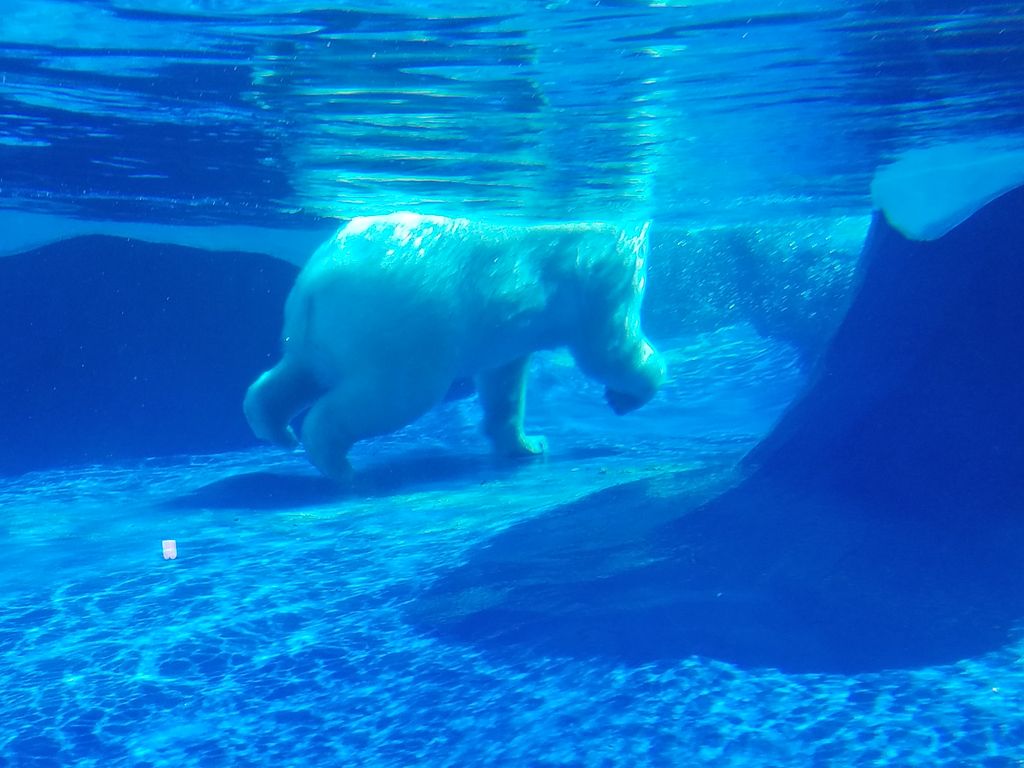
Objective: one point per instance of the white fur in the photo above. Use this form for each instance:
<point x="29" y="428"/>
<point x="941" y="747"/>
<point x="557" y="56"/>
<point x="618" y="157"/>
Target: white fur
<point x="393" y="309"/>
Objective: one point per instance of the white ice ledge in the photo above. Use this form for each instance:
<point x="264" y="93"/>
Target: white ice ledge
<point x="928" y="192"/>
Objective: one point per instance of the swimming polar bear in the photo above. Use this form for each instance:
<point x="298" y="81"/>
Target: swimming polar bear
<point x="392" y="310"/>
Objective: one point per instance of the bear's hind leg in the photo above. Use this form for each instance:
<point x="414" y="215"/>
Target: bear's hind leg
<point x="275" y="398"/>
<point x="357" y="409"/>
<point x="503" y="398"/>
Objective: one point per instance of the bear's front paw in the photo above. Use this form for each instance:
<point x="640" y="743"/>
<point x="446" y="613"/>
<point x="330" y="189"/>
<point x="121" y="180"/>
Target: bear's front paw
<point x="509" y="439"/>
<point x="532" y="445"/>
<point x="518" y="444"/>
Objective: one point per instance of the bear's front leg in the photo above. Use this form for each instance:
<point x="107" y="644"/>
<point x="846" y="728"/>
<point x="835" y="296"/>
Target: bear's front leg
<point x="502" y="393"/>
<point x="631" y="369"/>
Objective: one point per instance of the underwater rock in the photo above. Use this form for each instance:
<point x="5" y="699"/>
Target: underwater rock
<point x="879" y="524"/>
<point x="917" y="396"/>
<point x="21" y="231"/>
<point x="113" y="349"/>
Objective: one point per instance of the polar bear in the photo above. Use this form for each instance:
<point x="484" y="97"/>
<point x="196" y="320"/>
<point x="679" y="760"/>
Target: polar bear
<point x="392" y="310"/>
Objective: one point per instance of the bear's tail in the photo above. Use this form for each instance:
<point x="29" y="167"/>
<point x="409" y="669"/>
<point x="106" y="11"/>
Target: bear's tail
<point x="277" y="397"/>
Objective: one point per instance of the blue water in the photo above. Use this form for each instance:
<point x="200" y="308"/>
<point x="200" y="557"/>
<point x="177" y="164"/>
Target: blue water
<point x="311" y="625"/>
